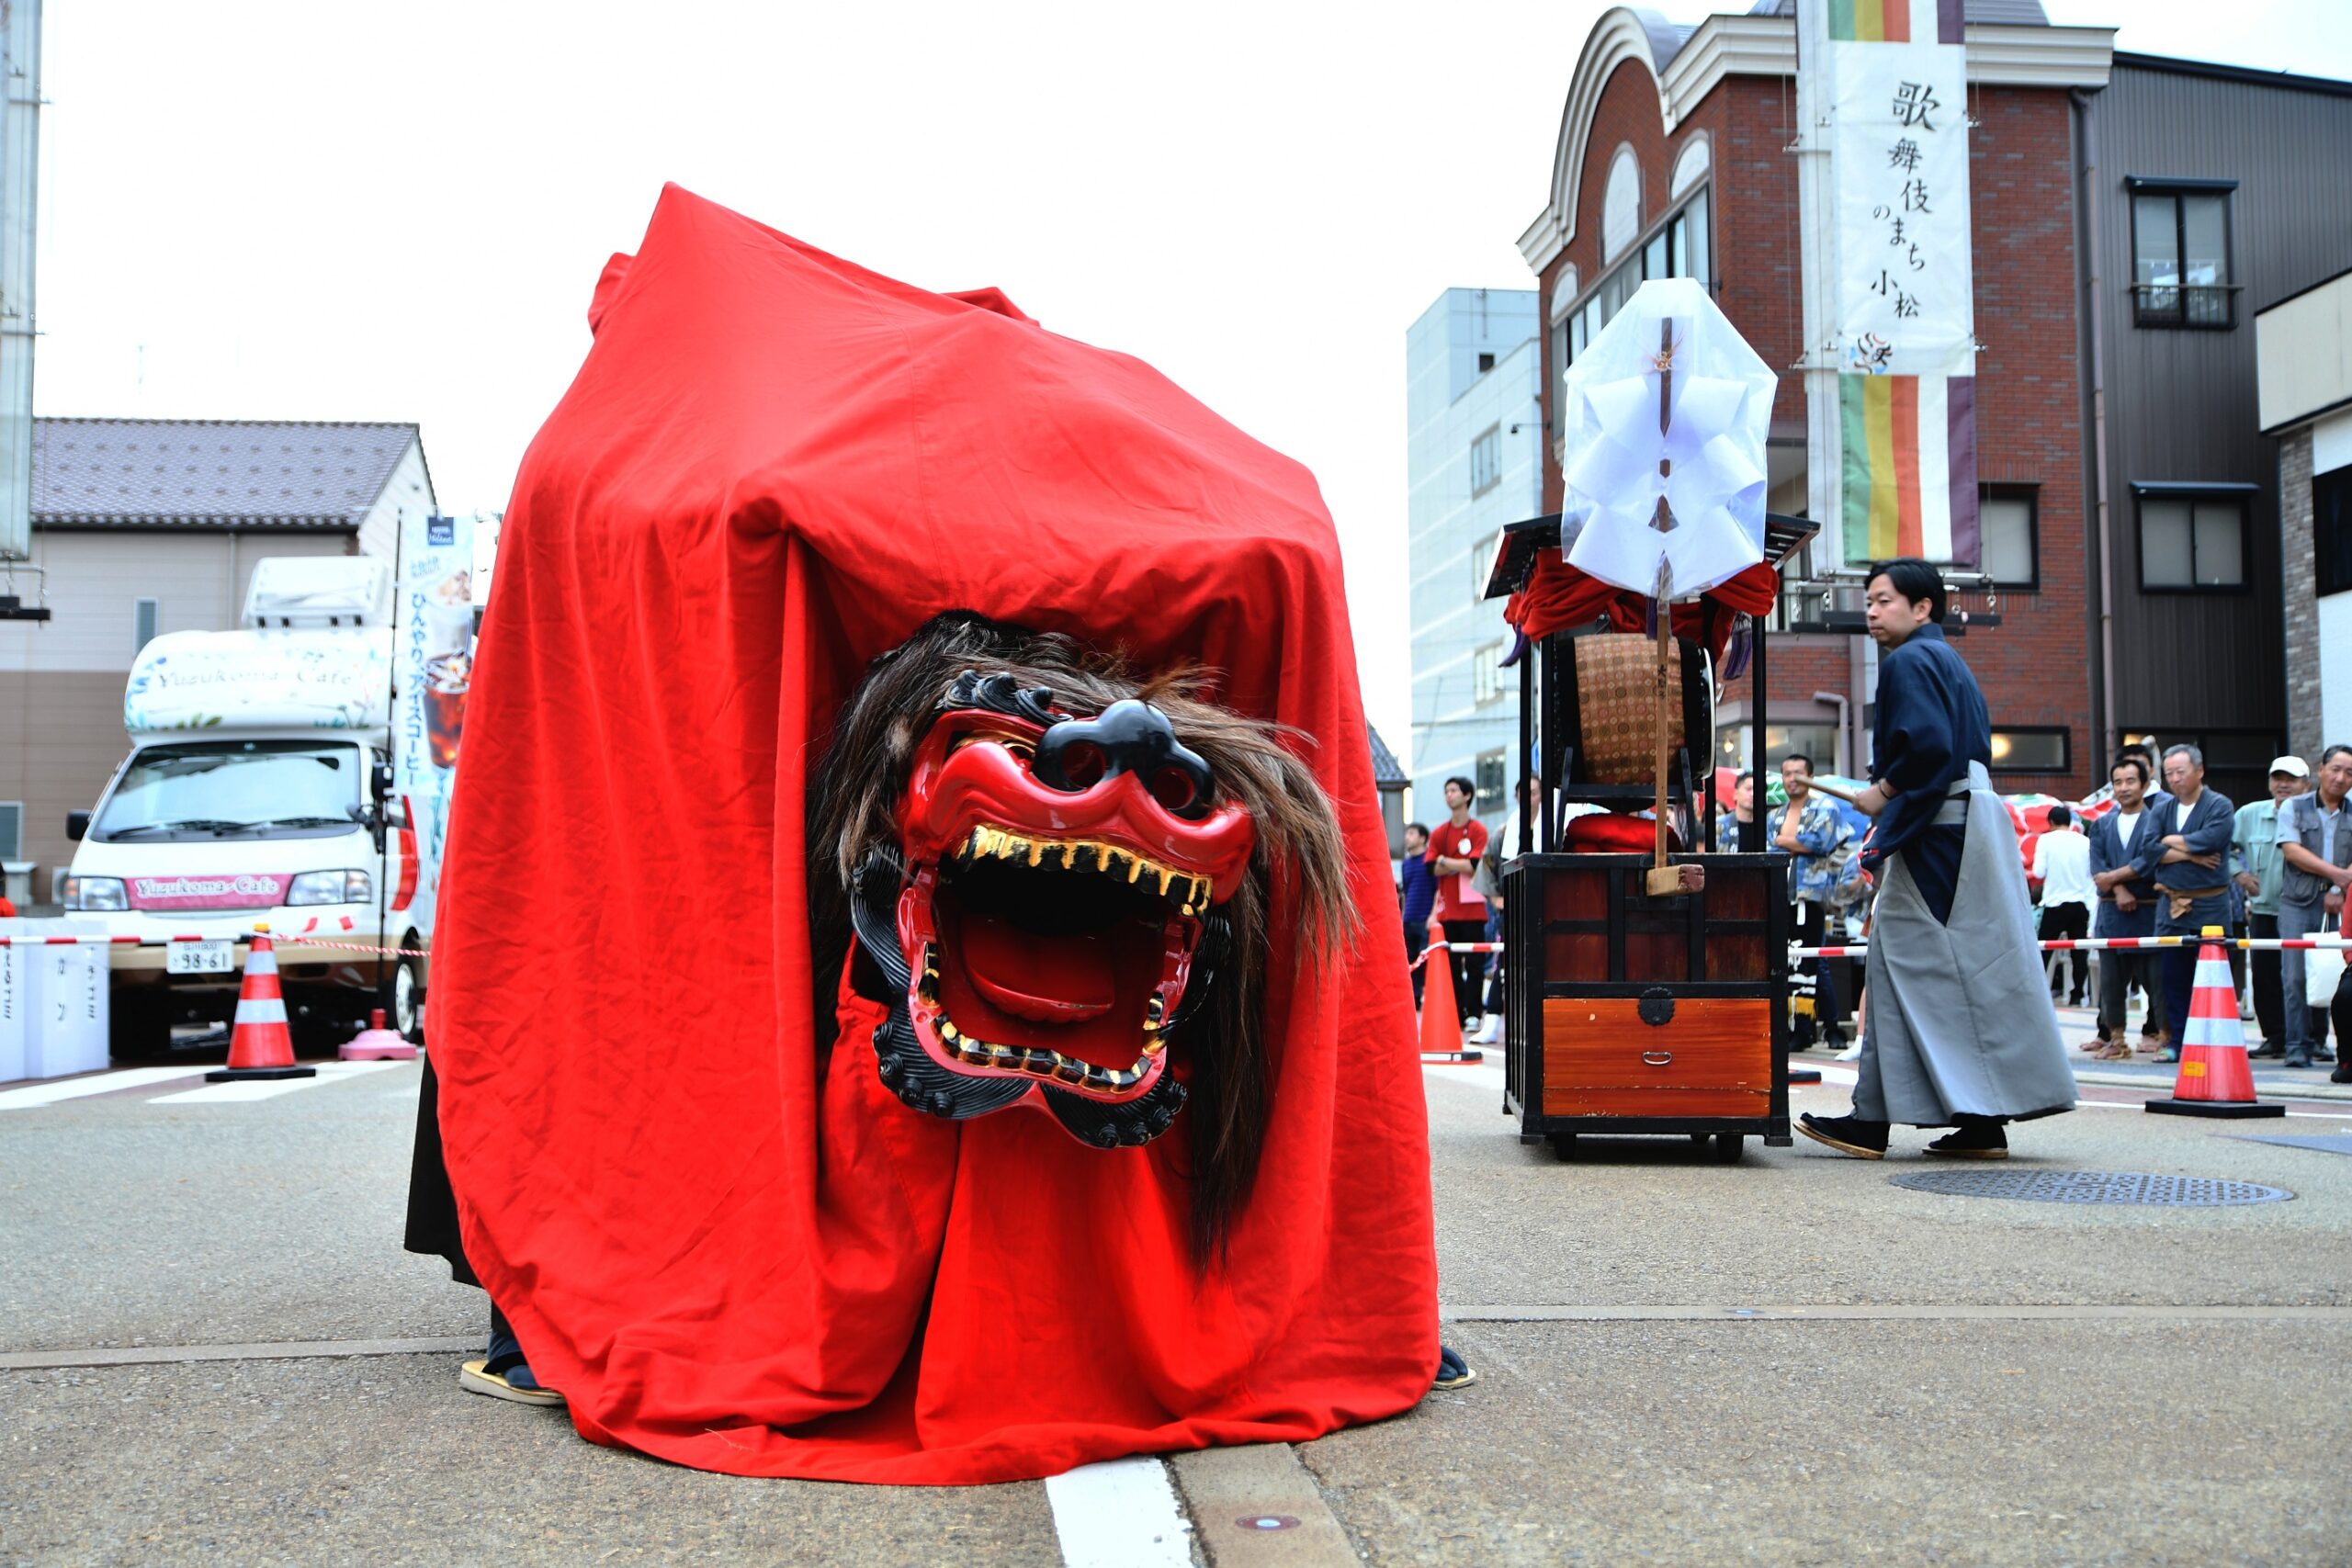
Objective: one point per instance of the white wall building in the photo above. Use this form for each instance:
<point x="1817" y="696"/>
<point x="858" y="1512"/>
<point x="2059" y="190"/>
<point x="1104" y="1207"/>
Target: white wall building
<point x="2304" y="383"/>
<point x="1474" y="463"/>
<point x="145" y="525"/>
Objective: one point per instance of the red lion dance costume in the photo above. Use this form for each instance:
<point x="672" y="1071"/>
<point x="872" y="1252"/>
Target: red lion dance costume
<point x="827" y="605"/>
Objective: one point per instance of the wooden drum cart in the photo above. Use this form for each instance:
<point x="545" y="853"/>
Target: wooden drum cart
<point x="1630" y="1013"/>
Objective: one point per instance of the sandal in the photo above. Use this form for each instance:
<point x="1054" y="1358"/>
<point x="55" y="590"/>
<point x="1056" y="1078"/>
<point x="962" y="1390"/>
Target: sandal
<point x="2113" y="1051"/>
<point x="1453" y="1371"/>
<point x="503" y="1372"/>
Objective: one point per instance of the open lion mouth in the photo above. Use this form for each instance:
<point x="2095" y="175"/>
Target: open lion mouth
<point x="1057" y="959"/>
<point x="1060" y="876"/>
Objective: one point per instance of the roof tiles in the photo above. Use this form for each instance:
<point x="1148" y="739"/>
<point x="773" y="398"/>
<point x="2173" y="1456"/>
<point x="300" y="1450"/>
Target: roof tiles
<point x="210" y="473"/>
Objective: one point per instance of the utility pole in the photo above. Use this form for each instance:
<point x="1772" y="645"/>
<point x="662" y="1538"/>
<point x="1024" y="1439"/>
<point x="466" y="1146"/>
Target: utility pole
<point x="20" y="174"/>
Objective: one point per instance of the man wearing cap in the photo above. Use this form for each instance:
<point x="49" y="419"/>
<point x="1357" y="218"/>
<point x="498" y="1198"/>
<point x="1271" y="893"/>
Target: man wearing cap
<point x="2255" y="864"/>
<point x="2315" y="843"/>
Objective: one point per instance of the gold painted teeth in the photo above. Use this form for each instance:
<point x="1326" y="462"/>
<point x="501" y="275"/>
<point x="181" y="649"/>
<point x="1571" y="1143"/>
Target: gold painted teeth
<point x="1040" y="1063"/>
<point x="1195" y="892"/>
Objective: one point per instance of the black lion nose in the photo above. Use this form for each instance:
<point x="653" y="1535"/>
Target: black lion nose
<point x="1128" y="737"/>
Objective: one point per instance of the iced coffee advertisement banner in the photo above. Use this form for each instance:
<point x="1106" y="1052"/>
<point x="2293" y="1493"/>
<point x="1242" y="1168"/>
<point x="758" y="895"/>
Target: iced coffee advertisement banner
<point x="433" y="636"/>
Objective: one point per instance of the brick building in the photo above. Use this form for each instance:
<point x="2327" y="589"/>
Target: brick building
<point x="1673" y="159"/>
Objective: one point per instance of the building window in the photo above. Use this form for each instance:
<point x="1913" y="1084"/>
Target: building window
<point x="2180" y="254"/>
<point x="2008" y="524"/>
<point x="2031" y="750"/>
<point x="1486" y="462"/>
<point x="1485" y="363"/>
<point x="2192" y="541"/>
<point x="1486" y="675"/>
<point x="12" y="830"/>
<point x="1482" y="563"/>
<point x="2237" y="762"/>
<point x="1677" y="249"/>
<point x="1818" y="741"/>
<point x="1621" y="204"/>
<point x="2332" y="528"/>
<point x="144" y="614"/>
<point x="1489" y="770"/>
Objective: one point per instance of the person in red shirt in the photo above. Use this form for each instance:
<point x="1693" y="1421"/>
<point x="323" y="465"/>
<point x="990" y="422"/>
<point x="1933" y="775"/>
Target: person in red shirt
<point x="1453" y="853"/>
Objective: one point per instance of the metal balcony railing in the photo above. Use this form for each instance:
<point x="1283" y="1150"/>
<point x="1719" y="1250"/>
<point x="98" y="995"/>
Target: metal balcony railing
<point x="2209" y="306"/>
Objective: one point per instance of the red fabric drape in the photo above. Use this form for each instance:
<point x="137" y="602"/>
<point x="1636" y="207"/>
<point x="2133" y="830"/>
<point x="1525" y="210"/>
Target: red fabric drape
<point x="1558" y="595"/>
<point x="719" y="1236"/>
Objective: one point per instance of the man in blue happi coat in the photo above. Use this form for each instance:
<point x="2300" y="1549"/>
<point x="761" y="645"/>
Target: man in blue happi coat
<point x="1961" y="1033"/>
<point x="2184" y="860"/>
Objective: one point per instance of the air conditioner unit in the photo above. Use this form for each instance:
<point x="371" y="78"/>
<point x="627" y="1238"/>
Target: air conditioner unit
<point x="319" y="591"/>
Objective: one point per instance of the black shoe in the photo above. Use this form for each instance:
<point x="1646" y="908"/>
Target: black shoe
<point x="2297" y="1061"/>
<point x="1453" y="1371"/>
<point x="2267" y="1048"/>
<point x="1834" y="1038"/>
<point x="1848" y="1134"/>
<point x="2322" y="1054"/>
<point x="2341" y="1075"/>
<point x="1980" y="1137"/>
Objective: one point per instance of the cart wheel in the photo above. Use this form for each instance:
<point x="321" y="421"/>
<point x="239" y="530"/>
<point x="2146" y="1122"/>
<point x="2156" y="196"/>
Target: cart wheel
<point x="1728" y="1147"/>
<point x="1563" y="1145"/>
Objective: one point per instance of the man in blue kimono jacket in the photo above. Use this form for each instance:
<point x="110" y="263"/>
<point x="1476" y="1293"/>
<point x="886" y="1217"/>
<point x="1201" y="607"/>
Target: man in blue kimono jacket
<point x="1960" y="1032"/>
<point x="2127" y="904"/>
<point x="2184" y="860"/>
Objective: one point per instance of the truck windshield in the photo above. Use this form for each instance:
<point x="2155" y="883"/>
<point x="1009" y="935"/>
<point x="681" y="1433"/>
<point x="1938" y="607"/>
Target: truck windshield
<point x="235" y="788"/>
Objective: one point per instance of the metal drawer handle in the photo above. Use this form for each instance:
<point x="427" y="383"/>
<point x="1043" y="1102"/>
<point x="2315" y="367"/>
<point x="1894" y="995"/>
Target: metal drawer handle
<point x="1657" y="1058"/>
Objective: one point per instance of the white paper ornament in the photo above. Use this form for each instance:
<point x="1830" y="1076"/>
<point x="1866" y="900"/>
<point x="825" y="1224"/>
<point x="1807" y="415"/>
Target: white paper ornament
<point x="1706" y="464"/>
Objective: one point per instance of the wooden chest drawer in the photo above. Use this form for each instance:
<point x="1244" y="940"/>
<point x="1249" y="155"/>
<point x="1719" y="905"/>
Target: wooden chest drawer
<point x="1714" y="1057"/>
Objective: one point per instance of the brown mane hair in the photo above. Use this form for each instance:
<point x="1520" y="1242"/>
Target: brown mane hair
<point x="853" y="799"/>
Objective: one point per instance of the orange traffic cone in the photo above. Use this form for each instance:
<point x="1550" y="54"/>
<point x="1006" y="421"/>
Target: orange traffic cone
<point x="2214" y="1079"/>
<point x="259" y="1043"/>
<point x="377" y="1043"/>
<point x="1440" y="1019"/>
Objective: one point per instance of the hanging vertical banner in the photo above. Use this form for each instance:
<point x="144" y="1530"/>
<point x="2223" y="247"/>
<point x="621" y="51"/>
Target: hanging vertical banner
<point x="1889" y="78"/>
<point x="432" y="661"/>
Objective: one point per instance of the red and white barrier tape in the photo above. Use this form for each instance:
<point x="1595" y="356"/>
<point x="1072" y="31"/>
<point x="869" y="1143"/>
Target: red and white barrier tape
<point x="241" y="938"/>
<point x="2128" y="943"/>
<point x="1453" y="947"/>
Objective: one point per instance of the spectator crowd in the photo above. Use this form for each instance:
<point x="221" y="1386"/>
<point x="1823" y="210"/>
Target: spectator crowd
<point x="2165" y="855"/>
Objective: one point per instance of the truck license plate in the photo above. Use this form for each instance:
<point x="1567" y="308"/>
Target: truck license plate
<point x="210" y="957"/>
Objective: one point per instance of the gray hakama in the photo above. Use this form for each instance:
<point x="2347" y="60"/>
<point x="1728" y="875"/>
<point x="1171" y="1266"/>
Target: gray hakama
<point x="1960" y="1021"/>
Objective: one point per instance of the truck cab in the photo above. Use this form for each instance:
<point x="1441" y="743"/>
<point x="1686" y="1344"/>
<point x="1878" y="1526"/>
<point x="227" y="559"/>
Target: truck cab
<point x="258" y="795"/>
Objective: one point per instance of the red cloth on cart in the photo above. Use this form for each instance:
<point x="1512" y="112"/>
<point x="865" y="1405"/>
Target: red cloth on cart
<point x="1558" y="595"/>
<point x="1610" y="832"/>
<point x="713" y="1228"/>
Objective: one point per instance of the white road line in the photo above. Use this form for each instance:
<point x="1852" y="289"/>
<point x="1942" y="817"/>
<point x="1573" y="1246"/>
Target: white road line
<point x="32" y="1095"/>
<point x="1121" y="1513"/>
<point x="269" y="1088"/>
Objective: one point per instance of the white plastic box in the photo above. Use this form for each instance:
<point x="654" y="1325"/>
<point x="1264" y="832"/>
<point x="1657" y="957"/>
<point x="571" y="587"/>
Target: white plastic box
<point x="13" y="978"/>
<point x="66" y="993"/>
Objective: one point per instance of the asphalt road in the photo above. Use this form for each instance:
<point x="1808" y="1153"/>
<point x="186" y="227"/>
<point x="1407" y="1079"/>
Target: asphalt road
<point x="1787" y="1360"/>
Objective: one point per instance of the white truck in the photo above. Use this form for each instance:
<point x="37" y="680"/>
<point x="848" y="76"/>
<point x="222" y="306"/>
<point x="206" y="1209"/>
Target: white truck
<point x="260" y="792"/>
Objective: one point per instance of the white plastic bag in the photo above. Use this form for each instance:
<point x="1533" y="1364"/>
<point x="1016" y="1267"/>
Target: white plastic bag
<point x="2323" y="967"/>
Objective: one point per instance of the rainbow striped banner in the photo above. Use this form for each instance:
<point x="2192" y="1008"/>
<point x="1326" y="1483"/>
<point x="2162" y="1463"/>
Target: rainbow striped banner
<point x="1894" y="21"/>
<point x="1909" y="467"/>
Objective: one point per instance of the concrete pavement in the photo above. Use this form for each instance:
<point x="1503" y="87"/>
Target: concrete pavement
<point x="1946" y="1424"/>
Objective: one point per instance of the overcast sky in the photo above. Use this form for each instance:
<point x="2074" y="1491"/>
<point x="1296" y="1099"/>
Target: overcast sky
<point x="324" y="210"/>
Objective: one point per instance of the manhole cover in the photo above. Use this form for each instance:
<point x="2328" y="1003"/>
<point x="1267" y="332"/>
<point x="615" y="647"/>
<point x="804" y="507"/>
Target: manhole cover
<point x="2094" y="1187"/>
